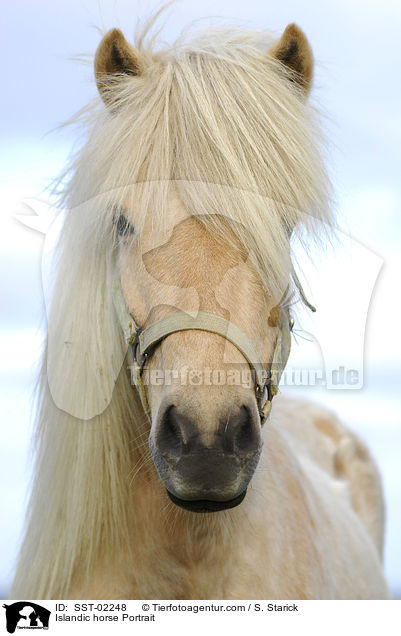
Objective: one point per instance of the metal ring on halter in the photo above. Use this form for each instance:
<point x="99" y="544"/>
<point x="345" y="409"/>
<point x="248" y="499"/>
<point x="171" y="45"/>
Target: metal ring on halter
<point x="141" y="359"/>
<point x="142" y="363"/>
<point x="264" y="395"/>
<point x="261" y="398"/>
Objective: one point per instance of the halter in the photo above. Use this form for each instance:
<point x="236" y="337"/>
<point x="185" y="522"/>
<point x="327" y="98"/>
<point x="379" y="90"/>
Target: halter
<point x="142" y="342"/>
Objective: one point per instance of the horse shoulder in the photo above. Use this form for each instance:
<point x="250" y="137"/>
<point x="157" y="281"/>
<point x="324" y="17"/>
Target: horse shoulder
<point x="317" y="433"/>
<point x="341" y="484"/>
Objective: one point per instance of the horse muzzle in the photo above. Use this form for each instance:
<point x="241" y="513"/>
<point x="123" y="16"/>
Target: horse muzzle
<point x="206" y="476"/>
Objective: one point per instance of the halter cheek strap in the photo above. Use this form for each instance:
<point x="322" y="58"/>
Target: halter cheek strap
<point x="142" y="343"/>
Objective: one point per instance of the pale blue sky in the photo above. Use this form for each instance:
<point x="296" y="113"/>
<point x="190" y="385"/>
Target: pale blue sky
<point x="356" y="46"/>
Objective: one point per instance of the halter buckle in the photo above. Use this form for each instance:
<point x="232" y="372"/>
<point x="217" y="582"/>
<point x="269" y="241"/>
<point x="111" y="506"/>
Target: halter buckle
<point x="139" y="358"/>
<point x="264" y="394"/>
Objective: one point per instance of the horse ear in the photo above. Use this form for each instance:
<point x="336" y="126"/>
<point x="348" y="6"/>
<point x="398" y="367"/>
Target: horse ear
<point x="114" y="57"/>
<point x="294" y="51"/>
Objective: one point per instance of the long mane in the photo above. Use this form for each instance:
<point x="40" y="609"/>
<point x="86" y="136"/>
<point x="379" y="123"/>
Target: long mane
<point x="213" y="120"/>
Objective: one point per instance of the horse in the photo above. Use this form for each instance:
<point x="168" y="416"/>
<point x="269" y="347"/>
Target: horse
<point x="168" y="465"/>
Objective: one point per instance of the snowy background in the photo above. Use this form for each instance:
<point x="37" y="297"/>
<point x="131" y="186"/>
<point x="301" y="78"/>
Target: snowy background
<point x="355" y="286"/>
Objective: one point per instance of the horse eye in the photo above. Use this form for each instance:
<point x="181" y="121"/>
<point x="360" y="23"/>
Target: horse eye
<point x="124" y="228"/>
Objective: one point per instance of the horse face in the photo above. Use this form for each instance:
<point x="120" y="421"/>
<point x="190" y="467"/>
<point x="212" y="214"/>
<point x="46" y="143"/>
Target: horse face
<point x="205" y="436"/>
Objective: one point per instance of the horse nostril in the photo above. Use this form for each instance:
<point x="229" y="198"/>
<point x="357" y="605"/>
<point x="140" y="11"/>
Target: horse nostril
<point x="240" y="431"/>
<point x="179" y="434"/>
<point x="174" y="432"/>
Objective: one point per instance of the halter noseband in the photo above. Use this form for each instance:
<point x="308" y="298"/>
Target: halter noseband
<point x="143" y="342"/>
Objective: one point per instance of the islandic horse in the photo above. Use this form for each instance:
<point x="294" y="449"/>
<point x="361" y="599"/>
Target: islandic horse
<point x="161" y="470"/>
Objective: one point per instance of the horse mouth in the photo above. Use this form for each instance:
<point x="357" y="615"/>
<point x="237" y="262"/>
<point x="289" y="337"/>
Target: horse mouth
<point x="206" y="505"/>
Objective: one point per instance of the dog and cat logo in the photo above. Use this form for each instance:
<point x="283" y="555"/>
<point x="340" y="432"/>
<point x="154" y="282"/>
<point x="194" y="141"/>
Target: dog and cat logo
<point x="26" y="615"/>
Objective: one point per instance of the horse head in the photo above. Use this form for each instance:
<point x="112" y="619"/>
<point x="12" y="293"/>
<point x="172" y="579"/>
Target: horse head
<point x="204" y="397"/>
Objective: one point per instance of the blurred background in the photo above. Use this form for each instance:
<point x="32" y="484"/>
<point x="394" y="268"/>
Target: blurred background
<point x="355" y="284"/>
